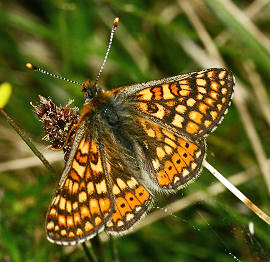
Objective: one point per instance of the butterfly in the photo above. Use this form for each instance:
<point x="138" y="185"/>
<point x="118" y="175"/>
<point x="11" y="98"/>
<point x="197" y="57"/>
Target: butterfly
<point x="130" y="143"/>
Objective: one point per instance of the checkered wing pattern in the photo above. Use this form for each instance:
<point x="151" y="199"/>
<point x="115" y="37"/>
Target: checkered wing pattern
<point x="83" y="202"/>
<point x="175" y="161"/>
<point x="191" y="104"/>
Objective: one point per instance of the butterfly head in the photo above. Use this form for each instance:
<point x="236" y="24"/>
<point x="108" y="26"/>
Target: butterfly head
<point x="90" y="91"/>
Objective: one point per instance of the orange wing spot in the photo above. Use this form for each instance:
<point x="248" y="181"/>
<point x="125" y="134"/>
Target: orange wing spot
<point x="156" y="163"/>
<point x="162" y="178"/>
<point x="170" y="169"/>
<point x="52" y="213"/>
<point x="84" y="146"/>
<point x="167" y="94"/>
<point x="169" y="142"/>
<point x="199" y="96"/>
<point x="142" y="194"/>
<point x="168" y="149"/>
<point x="82" y="159"/>
<point x="214" y="114"/>
<point x="70" y="221"/>
<point x="178" y="120"/>
<point x="75" y="187"/>
<point x="214" y="95"/>
<point x="215" y="86"/>
<point x="122" y="205"/>
<point x="116" y="190"/>
<point x="224" y="91"/>
<point x="175" y="89"/>
<point x="84" y="212"/>
<point x="90" y="188"/>
<point x="71" y="235"/>
<point x="132" y="200"/>
<point x="61" y="220"/>
<point x="98" y="221"/>
<point x="196" y="116"/>
<point x="191" y="102"/>
<point x="132" y="182"/>
<point x="74" y="176"/>
<point x="222" y="82"/>
<point x="79" y="232"/>
<point x="160" y="153"/>
<point x="168" y="134"/>
<point x="145" y="94"/>
<point x="77" y="218"/>
<point x="63" y="232"/>
<point x="116" y="216"/>
<point x="75" y="205"/>
<point x="209" y="101"/>
<point x="159" y="135"/>
<point x="222" y="74"/>
<point x="211" y="74"/>
<point x="184" y="92"/>
<point x="207" y="123"/>
<point x="104" y="204"/>
<point x="78" y="168"/>
<point x="201" y="82"/>
<point x="181" y="109"/>
<point x="62" y="204"/>
<point x="88" y="226"/>
<point x="219" y="107"/>
<point x="192" y="128"/>
<point x="68" y="206"/>
<point x="121" y="183"/>
<point x="190" y="147"/>
<point x="70" y="186"/>
<point x="223" y="100"/>
<point x="157" y="93"/>
<point x="56" y="228"/>
<point x="170" y="103"/>
<point x="150" y="132"/>
<point x="94" y="208"/>
<point x="82" y="196"/>
<point x="183" y="82"/>
<point x="178" y="163"/>
<point x="50" y="225"/>
<point x="201" y="75"/>
<point x="202" y="90"/>
<point x="203" y="108"/>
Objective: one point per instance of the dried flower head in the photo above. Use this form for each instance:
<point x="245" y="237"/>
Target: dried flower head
<point x="57" y="121"/>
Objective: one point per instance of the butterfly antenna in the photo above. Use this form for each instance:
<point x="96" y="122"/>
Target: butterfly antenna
<point x="115" y="23"/>
<point x="35" y="68"/>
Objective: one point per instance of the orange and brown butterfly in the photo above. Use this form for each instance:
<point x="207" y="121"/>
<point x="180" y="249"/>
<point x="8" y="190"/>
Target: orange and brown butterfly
<point x="130" y="143"/>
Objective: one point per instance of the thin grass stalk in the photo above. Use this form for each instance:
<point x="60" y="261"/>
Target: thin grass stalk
<point x="27" y="140"/>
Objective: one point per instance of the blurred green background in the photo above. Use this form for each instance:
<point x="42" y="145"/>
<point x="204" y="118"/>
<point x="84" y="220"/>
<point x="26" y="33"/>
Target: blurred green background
<point x="155" y="39"/>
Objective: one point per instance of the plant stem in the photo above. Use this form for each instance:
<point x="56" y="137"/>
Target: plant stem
<point x="98" y="247"/>
<point x="90" y="256"/>
<point x="114" y="250"/>
<point x="27" y="140"/>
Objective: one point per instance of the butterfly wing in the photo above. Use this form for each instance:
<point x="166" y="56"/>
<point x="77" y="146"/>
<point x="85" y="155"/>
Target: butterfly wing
<point x="132" y="200"/>
<point x="172" y="161"/>
<point x="191" y="105"/>
<point x="83" y="202"/>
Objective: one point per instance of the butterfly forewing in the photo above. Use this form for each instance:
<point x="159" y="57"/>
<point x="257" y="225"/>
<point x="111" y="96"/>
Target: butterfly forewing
<point x="83" y="202"/>
<point x="191" y="104"/>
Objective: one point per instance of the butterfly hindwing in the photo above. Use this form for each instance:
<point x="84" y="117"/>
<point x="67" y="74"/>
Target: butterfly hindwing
<point x="191" y="104"/>
<point x="131" y="202"/>
<point x="83" y="202"/>
<point x="175" y="160"/>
